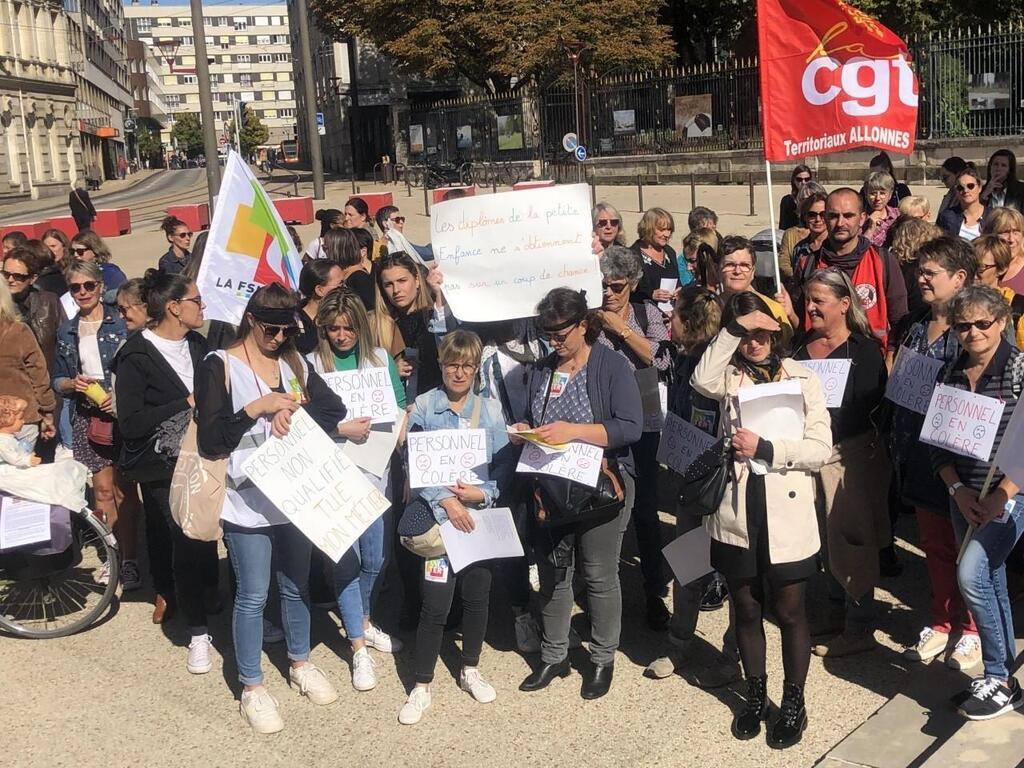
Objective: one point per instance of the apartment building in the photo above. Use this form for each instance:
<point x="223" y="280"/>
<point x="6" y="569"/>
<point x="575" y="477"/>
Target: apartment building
<point x="147" y="69"/>
<point x="251" y="62"/>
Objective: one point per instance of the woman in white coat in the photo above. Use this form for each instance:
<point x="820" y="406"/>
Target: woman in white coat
<point x="766" y="527"/>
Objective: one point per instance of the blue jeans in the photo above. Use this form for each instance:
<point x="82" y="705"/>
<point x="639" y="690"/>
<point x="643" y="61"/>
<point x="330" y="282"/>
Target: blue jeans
<point x="354" y="577"/>
<point x="250" y="550"/>
<point x="982" y="577"/>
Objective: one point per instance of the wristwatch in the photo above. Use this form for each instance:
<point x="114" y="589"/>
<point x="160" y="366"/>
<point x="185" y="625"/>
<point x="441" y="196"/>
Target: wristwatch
<point x="626" y="334"/>
<point x="955" y="487"/>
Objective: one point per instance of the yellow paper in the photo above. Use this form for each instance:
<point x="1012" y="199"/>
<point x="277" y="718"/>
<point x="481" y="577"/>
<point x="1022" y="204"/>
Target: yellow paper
<point x="532" y="437"/>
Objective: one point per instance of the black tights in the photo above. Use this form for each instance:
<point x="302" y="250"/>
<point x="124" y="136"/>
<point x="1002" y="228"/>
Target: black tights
<point x="789" y="607"/>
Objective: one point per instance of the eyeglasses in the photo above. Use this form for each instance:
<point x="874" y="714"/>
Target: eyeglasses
<point x="18" y="277"/>
<point x="88" y="287"/>
<point x="270" y="332"/>
<point x="197" y="300"/>
<point x="452" y="368"/>
<point x="614" y="287"/>
<point x="608" y="222"/>
<point x="929" y="274"/>
<point x="982" y="268"/>
<point x="183" y="234"/>
<point x="981" y="325"/>
<point x="80" y="249"/>
<point x="123" y="309"/>
<point x="737" y="266"/>
<point x="965" y="187"/>
<point x="398" y="219"/>
<point x="559" y="338"/>
<point x="814" y="215"/>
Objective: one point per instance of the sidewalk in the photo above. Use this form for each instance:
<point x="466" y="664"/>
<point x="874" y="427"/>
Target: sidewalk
<point x="24" y="210"/>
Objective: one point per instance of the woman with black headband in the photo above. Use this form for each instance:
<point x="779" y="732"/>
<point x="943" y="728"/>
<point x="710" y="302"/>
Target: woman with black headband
<point x="243" y="395"/>
<point x="582" y="392"/>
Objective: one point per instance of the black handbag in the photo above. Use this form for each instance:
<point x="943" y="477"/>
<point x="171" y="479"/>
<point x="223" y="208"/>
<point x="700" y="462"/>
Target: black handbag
<point x="559" y="501"/>
<point x="705" y="480"/>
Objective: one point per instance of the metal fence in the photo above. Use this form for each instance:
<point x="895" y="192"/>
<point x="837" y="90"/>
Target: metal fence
<point x="971" y="84"/>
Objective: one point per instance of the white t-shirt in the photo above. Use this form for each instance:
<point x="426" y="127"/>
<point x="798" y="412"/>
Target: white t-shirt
<point x="969" y="233"/>
<point x="89" y="349"/>
<point x="315" y="250"/>
<point x="177" y="356"/>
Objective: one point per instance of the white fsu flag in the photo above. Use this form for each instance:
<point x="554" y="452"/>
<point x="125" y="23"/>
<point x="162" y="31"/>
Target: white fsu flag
<point x="1009" y="456"/>
<point x="248" y="246"/>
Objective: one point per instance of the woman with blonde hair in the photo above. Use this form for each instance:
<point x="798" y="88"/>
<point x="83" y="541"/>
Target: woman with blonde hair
<point x="994" y="257"/>
<point x="700" y="255"/>
<point x="915" y="206"/>
<point x="659" y="258"/>
<point x="1008" y="225"/>
<point x="608" y="225"/>
<point x="906" y="236"/>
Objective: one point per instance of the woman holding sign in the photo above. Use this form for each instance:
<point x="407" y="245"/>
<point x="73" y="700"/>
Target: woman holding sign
<point x="582" y="392"/>
<point x="245" y="394"/>
<point x="924" y="341"/>
<point x="840" y="348"/>
<point x="766" y="526"/>
<point x="983" y="498"/>
<point x="346" y="344"/>
<point x="454" y="405"/>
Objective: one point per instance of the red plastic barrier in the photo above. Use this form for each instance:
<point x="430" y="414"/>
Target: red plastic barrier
<point x="197" y="216"/>
<point x="65" y="224"/>
<point x="112" y="222"/>
<point x="375" y="201"/>
<point x="295" y="210"/>
<point x="519" y="186"/>
<point x="439" y="193"/>
<point x="33" y="230"/>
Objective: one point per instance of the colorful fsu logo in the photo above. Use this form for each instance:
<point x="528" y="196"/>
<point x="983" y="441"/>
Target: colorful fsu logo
<point x="255" y="232"/>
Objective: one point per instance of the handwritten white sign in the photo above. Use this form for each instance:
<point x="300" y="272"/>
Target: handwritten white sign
<point x="962" y="422"/>
<point x="316" y="486"/>
<point x="580" y="462"/>
<point x="912" y="380"/>
<point x="833" y="375"/>
<point x="445" y="456"/>
<point x="501" y="254"/>
<point x="681" y="443"/>
<point x="494" y="536"/>
<point x="365" y="392"/>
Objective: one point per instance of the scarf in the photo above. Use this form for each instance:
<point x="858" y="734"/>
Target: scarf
<point x="762" y="373"/>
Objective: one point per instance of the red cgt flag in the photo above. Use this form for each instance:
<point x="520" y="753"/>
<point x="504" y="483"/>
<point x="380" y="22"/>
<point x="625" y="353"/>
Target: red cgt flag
<point x="832" y="78"/>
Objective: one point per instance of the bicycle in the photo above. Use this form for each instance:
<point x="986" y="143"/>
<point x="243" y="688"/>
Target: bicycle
<point x="60" y="593"/>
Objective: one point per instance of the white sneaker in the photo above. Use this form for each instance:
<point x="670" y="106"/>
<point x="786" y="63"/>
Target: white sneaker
<point x="272" y="633"/>
<point x="131" y="577"/>
<point x="527" y="633"/>
<point x="199" y="662"/>
<point x="471" y="681"/>
<point x="312" y="683"/>
<point x="103" y="575"/>
<point x="259" y="710"/>
<point x="535" y="578"/>
<point x="930" y="644"/>
<point x="413" y="709"/>
<point x="966" y="654"/>
<point x="375" y="637"/>
<point x="364" y="677"/>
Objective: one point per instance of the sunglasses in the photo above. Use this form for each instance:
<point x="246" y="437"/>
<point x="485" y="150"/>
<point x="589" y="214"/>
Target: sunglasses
<point x="123" y="309"/>
<point x="270" y="332"/>
<point x="19" y="277"/>
<point x="614" y="287"/>
<point x="802" y="179"/>
<point x="965" y="187"/>
<point x="815" y="215"/>
<point x="88" y="286"/>
<point x="981" y="325"/>
<point x="80" y="250"/>
<point x="183" y="234"/>
<point x="398" y="219"/>
<point x="559" y="338"/>
<point x="608" y="222"/>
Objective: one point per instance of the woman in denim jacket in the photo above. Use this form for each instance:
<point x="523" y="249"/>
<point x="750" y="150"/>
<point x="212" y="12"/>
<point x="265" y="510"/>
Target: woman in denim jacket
<point x="86" y="345"/>
<point x="455" y="406"/>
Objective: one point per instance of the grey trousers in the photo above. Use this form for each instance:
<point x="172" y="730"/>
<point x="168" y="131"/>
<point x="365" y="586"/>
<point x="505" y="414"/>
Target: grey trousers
<point x="596" y="558"/>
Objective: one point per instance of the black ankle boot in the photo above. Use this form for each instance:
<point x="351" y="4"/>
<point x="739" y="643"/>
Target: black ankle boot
<point x="789" y="728"/>
<point x="747" y="724"/>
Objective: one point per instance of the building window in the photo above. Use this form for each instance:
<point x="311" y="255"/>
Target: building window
<point x="288" y="112"/>
<point x="241" y="24"/>
<point x="184" y="21"/>
<point x="242" y="58"/>
<point x="245" y="79"/>
<point x="262" y="21"/>
<point x="262" y="39"/>
<point x="187" y="41"/>
<point x="187" y="80"/>
<point x="280" y="39"/>
<point x="266" y="58"/>
<point x="282" y="57"/>
<point x="143" y="24"/>
<point x="225" y="45"/>
<point x="284" y="95"/>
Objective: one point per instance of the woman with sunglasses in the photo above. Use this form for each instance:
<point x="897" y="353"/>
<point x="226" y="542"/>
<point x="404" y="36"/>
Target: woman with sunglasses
<point x="345" y="343"/>
<point x="965" y="219"/>
<point x="154" y="388"/>
<point x="40" y="309"/>
<point x="750" y="544"/>
<point x="993" y="258"/>
<point x="88" y="246"/>
<point x="243" y="395"/>
<point x="789" y="206"/>
<point x="608" y="225"/>
<point x="990" y="367"/>
<point x="583" y="391"/>
<point x="812" y="214"/>
<point x="945" y="266"/>
<point x="179" y="236"/>
<point x="86" y="345"/>
<point x="638" y="333"/>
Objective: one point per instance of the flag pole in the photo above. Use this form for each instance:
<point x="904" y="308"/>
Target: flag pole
<point x="771" y="222"/>
<point x="972" y="528"/>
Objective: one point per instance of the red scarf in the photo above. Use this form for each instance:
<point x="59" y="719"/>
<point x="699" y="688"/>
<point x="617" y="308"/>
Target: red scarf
<point x="868" y="280"/>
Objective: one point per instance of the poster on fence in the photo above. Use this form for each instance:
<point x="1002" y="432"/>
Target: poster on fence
<point x="316" y="486"/>
<point x="962" y="422"/>
<point x="365" y="392"/>
<point x="501" y="254"/>
<point x="446" y="456"/>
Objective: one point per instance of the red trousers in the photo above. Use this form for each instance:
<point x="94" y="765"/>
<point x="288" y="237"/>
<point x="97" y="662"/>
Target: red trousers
<point x="948" y="612"/>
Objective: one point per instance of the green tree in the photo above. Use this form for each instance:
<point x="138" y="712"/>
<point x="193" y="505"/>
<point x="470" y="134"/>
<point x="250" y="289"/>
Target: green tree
<point x="253" y="133"/>
<point x="188" y="133"/>
<point x="501" y="44"/>
<point x="148" y="142"/>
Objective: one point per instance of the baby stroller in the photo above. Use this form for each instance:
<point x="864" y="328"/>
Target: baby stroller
<point x="56" y="586"/>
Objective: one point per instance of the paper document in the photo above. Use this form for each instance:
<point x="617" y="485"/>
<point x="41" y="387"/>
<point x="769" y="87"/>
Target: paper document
<point x="667" y="284"/>
<point x="773" y="411"/>
<point x="23" y="523"/>
<point x="375" y="454"/>
<point x="531" y="437"/>
<point x="690" y="555"/>
<point x="495" y="536"/>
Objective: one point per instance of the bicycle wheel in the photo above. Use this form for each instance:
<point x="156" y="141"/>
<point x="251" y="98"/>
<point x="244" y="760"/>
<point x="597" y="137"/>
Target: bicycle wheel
<point x="466" y="174"/>
<point x="57" y="598"/>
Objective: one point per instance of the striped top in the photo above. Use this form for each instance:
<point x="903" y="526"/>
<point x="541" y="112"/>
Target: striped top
<point x="1003" y="379"/>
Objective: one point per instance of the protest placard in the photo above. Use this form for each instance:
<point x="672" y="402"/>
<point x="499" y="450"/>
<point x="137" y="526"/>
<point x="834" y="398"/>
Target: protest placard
<point x="365" y="392"/>
<point x="501" y="254"/>
<point x="580" y="462"/>
<point x="316" y="486"/>
<point x="689" y="556"/>
<point x="442" y="457"/>
<point x="833" y="375"/>
<point x="912" y="380"/>
<point x="962" y="422"/>
<point x="681" y="443"/>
